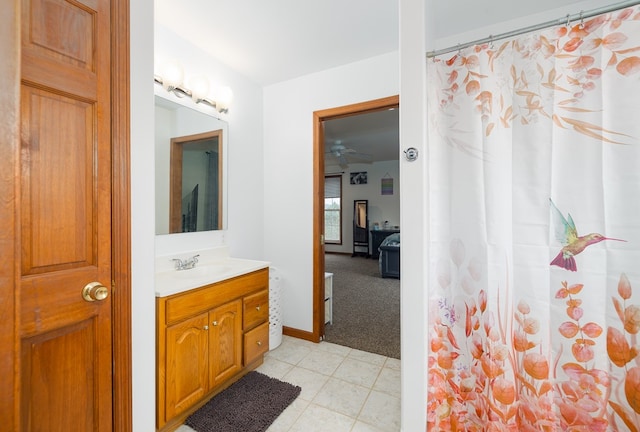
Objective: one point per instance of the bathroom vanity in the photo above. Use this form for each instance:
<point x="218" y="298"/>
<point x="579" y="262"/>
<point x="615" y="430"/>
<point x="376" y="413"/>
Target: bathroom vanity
<point x="212" y="328"/>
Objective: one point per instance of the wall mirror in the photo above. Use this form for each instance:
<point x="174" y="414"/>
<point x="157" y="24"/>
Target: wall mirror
<point x="360" y="228"/>
<point x="191" y="169"/>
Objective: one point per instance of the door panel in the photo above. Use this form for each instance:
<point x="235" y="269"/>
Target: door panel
<point x="61" y="378"/>
<point x="57" y="201"/>
<point x="64" y="231"/>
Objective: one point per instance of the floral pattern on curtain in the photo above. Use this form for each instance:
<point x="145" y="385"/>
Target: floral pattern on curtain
<point x="534" y="192"/>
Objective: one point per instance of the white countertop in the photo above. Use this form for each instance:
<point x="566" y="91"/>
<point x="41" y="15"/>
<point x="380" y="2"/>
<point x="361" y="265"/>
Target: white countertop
<point x="210" y="269"/>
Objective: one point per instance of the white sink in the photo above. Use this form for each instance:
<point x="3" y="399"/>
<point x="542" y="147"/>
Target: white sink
<point x="205" y="273"/>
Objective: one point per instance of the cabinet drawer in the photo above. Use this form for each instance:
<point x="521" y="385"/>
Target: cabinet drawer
<point x="256" y="343"/>
<point x="255" y="309"/>
<point x="195" y="301"/>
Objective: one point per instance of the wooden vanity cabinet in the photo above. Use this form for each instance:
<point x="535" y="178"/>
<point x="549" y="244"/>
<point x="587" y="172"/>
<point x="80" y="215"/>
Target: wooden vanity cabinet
<point x="207" y="338"/>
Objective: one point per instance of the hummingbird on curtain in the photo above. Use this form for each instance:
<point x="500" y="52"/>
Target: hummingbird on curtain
<point x="566" y="233"/>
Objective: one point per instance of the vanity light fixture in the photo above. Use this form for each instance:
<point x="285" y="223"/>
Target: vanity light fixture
<point x="171" y="81"/>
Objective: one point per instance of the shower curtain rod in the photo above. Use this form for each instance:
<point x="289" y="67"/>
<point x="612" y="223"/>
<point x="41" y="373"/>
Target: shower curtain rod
<point x="566" y="20"/>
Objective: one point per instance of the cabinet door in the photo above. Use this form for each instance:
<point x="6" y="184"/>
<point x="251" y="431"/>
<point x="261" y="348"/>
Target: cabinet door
<point x="187" y="364"/>
<point x="225" y="343"/>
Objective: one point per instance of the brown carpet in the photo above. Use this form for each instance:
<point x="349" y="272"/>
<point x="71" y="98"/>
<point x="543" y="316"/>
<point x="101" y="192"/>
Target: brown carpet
<point x="249" y="405"/>
<point x="366" y="307"/>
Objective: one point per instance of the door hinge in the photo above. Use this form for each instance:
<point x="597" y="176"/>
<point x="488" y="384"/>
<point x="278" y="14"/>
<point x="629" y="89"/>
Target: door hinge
<point x="113" y="286"/>
<point x="321" y="239"/>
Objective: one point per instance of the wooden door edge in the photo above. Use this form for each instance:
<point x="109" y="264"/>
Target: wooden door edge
<point x="9" y="168"/>
<point x="318" y="195"/>
<point x="121" y="218"/>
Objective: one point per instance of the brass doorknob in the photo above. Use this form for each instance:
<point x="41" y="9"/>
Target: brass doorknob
<point x="95" y="291"/>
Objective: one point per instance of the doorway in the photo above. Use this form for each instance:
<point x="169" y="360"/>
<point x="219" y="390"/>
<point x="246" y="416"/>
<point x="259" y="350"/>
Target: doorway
<point x="319" y="117"/>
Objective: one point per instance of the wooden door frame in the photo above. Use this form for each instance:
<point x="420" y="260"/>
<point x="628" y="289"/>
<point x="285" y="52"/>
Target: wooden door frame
<point x="121" y="215"/>
<point x="318" y="196"/>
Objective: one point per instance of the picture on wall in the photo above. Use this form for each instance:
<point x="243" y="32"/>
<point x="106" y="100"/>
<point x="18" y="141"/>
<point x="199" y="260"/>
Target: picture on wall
<point x="358" y="177"/>
<point x="386" y="186"/>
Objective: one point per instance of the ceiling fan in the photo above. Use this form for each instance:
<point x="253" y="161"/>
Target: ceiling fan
<point x="344" y="155"/>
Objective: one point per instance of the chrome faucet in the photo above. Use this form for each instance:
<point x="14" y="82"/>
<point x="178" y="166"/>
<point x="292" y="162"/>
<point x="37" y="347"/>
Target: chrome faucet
<point x="186" y="264"/>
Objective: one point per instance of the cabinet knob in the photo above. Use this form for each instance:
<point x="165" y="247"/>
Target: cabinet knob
<point x="215" y="323"/>
<point x="206" y="327"/>
<point x="259" y="343"/>
<point x="258" y="307"/>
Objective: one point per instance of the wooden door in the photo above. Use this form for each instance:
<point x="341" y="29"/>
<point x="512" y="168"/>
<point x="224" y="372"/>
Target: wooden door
<point x="187" y="366"/>
<point x="63" y="232"/>
<point x="225" y="343"/>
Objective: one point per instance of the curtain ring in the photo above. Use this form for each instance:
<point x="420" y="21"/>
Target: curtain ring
<point x="491" y="41"/>
<point x="581" y="21"/>
<point x="568" y="21"/>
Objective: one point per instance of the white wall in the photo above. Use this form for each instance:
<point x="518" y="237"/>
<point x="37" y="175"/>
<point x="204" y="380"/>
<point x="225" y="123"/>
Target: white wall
<point x="381" y="207"/>
<point x="288" y="167"/>
<point x="142" y="217"/>
<point x="245" y="153"/>
<point x="244" y="234"/>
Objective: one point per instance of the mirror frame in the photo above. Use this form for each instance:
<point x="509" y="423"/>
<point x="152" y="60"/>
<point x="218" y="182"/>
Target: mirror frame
<point x="175" y="174"/>
<point x="219" y="123"/>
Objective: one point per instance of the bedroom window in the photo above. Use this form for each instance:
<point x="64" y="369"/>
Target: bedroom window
<point x="333" y="209"/>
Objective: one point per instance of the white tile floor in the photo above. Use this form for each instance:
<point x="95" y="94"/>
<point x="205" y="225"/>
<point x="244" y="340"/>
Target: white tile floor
<point x="343" y="389"/>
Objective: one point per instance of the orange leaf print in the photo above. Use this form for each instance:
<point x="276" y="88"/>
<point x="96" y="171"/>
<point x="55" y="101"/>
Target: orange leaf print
<point x="545" y="387"/>
<point x="592" y="330"/>
<point x="625" y="14"/>
<point x="575" y="313"/>
<point x="629" y="66"/>
<point x="523" y="307"/>
<point x="473" y="87"/>
<point x="482" y="299"/>
<point x="574" y="370"/>
<point x="582" y="62"/>
<point x="452" y="338"/>
<point x="613" y="60"/>
<point x="521" y="343"/>
<point x="618" y="307"/>
<point x="624" y="287"/>
<point x="453" y="76"/>
<point x="632" y="388"/>
<point x="576" y="288"/>
<point x="490" y="127"/>
<point x="632" y="319"/>
<point x="617" y="347"/>
<point x="583" y="353"/>
<point x="625" y="416"/>
<point x="491" y="368"/>
<point x="591" y="25"/>
<point x="536" y="366"/>
<point x="504" y="391"/>
<point x="568" y="329"/>
<point x="471" y="62"/>
<point x="445" y="359"/>
<point x="614" y="41"/>
<point x="436" y="344"/>
<point x="573" y="44"/>
<point x="594" y="73"/>
<point x="531" y="326"/>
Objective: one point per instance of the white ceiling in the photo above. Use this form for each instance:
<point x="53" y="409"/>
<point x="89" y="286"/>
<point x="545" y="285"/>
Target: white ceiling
<point x="277" y="40"/>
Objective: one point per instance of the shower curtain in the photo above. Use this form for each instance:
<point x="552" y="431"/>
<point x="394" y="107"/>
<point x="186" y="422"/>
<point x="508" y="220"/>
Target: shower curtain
<point x="534" y="222"/>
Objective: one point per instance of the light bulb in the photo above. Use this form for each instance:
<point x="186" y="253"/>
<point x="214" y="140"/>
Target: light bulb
<point x="224" y="96"/>
<point x="199" y="88"/>
<point x="172" y="75"/>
